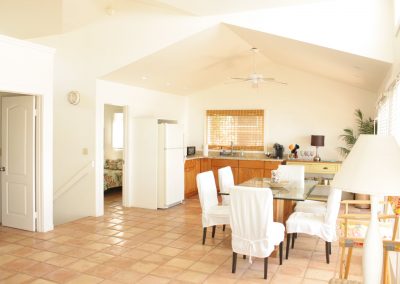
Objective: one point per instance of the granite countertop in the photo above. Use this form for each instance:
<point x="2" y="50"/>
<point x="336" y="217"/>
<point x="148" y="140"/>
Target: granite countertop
<point x="237" y="156"/>
<point x="250" y="157"/>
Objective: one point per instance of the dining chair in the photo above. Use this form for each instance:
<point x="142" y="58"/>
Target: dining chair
<point x="212" y="213"/>
<point x="226" y="181"/>
<point x="294" y="174"/>
<point x="353" y="228"/>
<point x="321" y="225"/>
<point x="254" y="233"/>
<point x="311" y="206"/>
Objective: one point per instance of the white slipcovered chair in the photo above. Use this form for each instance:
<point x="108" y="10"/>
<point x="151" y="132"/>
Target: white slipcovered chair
<point x="294" y="174"/>
<point x="311" y="206"/>
<point x="254" y="233"/>
<point x="212" y="213"/>
<point x="321" y="225"/>
<point x="226" y="181"/>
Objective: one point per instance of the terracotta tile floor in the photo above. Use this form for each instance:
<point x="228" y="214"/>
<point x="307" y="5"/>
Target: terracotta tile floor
<point x="130" y="245"/>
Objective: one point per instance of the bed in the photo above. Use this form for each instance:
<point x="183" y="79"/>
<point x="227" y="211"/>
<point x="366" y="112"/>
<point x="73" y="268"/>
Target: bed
<point x="113" y="173"/>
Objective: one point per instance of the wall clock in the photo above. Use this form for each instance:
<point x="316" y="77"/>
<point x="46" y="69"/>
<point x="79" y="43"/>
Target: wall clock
<point x="74" y="97"/>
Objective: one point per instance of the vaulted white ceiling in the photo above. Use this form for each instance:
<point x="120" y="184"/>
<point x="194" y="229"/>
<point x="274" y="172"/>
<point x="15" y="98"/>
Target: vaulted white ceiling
<point x="214" y="56"/>
<point x="202" y="60"/>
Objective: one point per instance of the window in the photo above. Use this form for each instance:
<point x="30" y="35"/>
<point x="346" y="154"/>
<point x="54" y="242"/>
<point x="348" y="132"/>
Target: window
<point x="118" y="131"/>
<point x="389" y="113"/>
<point x="243" y="128"/>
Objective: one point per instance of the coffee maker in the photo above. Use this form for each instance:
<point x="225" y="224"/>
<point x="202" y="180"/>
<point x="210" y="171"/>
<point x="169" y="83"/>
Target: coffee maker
<point x="278" y="148"/>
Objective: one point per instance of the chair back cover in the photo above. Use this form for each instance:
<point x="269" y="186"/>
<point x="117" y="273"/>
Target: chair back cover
<point x="207" y="190"/>
<point x="226" y="181"/>
<point x="292" y="173"/>
<point x="251" y="221"/>
<point x="332" y="207"/>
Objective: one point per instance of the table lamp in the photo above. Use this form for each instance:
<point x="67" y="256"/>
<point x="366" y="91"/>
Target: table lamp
<point x="372" y="167"/>
<point x="317" y="141"/>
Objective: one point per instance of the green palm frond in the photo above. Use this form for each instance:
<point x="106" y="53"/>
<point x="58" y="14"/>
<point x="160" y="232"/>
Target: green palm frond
<point x="349" y="137"/>
<point x="343" y="151"/>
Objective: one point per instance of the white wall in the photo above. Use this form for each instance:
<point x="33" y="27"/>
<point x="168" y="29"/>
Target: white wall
<point x="84" y="55"/>
<point x="334" y="24"/>
<point x="307" y="105"/>
<point x="27" y="68"/>
<point x="138" y="103"/>
<point x="109" y="151"/>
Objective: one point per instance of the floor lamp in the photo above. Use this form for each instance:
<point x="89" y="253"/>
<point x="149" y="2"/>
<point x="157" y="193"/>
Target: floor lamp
<point x="372" y="167"/>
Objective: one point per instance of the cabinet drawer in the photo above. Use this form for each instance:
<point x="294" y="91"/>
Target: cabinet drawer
<point x="322" y="168"/>
<point x="272" y="165"/>
<point x="251" y="164"/>
<point x="190" y="163"/>
<point x="220" y="163"/>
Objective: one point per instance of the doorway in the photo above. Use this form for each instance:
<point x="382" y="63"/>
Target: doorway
<point x="18" y="163"/>
<point x="114" y="155"/>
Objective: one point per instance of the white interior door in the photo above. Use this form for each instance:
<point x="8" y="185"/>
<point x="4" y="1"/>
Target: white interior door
<point x="18" y="162"/>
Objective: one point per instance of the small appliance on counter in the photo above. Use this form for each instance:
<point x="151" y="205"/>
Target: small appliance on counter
<point x="278" y="148"/>
<point x="190" y="150"/>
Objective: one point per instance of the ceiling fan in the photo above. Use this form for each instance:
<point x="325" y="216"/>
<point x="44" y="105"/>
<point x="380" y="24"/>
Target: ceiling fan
<point x="256" y="78"/>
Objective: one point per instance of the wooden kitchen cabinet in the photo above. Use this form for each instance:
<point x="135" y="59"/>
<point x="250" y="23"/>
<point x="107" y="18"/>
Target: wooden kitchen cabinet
<point x="220" y="163"/>
<point x="269" y="166"/>
<point x="205" y="165"/>
<point x="249" y="169"/>
<point x="242" y="170"/>
<point x="192" y="168"/>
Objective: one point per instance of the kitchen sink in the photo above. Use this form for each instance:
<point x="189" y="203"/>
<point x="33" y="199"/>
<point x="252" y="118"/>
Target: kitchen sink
<point x="229" y="154"/>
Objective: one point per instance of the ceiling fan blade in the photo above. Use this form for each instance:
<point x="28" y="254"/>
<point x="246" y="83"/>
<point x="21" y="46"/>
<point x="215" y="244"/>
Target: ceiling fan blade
<point x="273" y="81"/>
<point x="239" y="78"/>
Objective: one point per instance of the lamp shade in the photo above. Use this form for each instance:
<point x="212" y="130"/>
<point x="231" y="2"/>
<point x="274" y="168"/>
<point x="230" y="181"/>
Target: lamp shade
<point x="372" y="167"/>
<point x="317" y="140"/>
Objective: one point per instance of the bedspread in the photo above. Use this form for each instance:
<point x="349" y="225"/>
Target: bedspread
<point x="112" y="178"/>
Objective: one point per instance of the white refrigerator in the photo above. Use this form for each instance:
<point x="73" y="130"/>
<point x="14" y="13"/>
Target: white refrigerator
<point x="171" y="159"/>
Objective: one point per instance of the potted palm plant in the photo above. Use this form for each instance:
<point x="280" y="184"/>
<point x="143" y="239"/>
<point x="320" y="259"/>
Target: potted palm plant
<point x="350" y="136"/>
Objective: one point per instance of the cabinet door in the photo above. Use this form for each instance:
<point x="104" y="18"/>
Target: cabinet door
<point x="249" y="173"/>
<point x="205" y="165"/>
<point x="192" y="168"/>
<point x="269" y="166"/>
<point x="190" y="179"/>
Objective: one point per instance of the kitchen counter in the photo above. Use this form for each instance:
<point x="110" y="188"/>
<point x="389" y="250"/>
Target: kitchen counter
<point x="246" y="157"/>
<point x="253" y="157"/>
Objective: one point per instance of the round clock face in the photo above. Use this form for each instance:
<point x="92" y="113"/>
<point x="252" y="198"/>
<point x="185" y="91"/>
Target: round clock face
<point x="74" y="97"/>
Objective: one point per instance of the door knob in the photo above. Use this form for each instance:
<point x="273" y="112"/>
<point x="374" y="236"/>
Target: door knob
<point x="2" y="169"/>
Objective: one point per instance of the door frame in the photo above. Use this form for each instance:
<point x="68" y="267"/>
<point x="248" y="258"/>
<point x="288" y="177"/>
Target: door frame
<point x="99" y="163"/>
<point x="40" y="196"/>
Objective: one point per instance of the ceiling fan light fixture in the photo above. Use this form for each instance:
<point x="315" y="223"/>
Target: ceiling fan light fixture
<point x="256" y="78"/>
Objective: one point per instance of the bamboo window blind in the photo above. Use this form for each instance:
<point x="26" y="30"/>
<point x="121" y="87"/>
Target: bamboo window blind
<point x="245" y="128"/>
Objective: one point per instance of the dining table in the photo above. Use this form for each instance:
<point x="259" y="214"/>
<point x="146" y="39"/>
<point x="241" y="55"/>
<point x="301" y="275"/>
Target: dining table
<point x="285" y="195"/>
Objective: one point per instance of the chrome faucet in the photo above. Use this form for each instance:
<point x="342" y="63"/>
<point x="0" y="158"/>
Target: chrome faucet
<point x="231" y="148"/>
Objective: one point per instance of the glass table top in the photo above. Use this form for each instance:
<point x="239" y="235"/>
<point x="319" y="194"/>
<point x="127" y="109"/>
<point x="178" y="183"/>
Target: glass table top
<point x="288" y="192"/>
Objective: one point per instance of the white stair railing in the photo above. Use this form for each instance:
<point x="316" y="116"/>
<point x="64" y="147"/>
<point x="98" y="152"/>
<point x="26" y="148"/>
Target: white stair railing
<point x="83" y="172"/>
